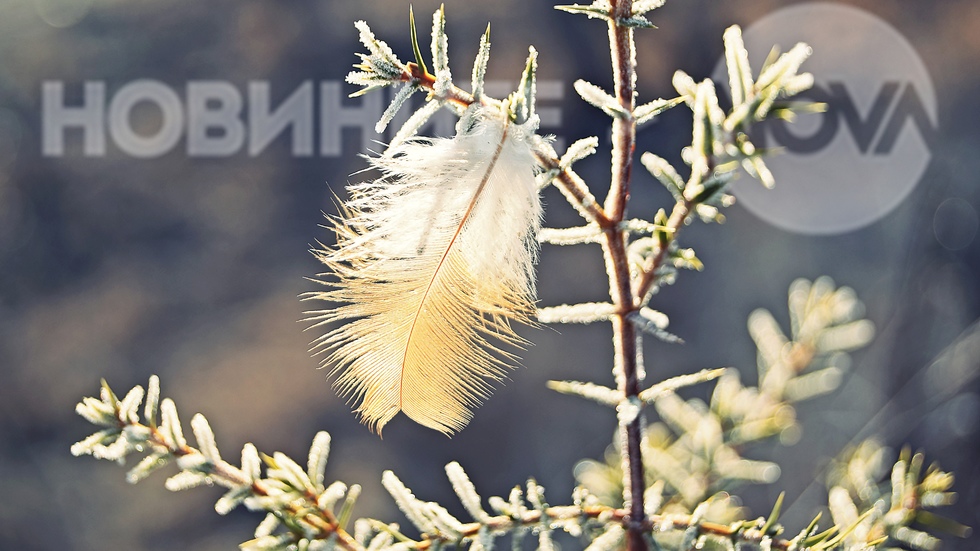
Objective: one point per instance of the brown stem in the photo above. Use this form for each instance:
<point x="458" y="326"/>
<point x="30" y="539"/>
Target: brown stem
<point x="656" y="523"/>
<point x="575" y="190"/>
<point x="622" y="50"/>
<point x="648" y="275"/>
<point x="625" y="338"/>
<point x="455" y="95"/>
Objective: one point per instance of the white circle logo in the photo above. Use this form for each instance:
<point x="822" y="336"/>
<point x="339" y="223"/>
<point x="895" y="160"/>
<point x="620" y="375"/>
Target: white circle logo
<point x="845" y="168"/>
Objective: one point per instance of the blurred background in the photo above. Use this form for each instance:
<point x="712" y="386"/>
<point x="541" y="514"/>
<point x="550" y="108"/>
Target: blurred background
<point x="123" y="262"/>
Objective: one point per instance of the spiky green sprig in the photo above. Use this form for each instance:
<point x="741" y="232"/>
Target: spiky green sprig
<point x="302" y="513"/>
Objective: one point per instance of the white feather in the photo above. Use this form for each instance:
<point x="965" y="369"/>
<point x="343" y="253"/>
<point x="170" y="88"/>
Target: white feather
<point x="433" y="262"/>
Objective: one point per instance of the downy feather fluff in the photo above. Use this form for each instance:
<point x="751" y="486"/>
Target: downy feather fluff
<point x="433" y="262"/>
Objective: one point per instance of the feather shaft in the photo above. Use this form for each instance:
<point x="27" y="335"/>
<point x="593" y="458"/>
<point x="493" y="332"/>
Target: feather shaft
<point x="459" y="228"/>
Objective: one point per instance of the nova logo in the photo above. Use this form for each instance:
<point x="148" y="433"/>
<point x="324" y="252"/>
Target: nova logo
<point x="875" y="131"/>
<point x="843" y="169"/>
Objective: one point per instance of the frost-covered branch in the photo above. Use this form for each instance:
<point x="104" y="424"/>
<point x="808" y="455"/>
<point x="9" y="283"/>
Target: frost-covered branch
<point x="382" y="68"/>
<point x="696" y="449"/>
<point x="301" y="511"/>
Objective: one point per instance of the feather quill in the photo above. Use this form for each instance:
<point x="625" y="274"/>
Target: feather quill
<point x="433" y="264"/>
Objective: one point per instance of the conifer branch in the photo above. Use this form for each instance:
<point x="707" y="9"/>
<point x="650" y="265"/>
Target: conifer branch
<point x="570" y="183"/>
<point x="297" y="499"/>
<point x="304" y="513"/>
